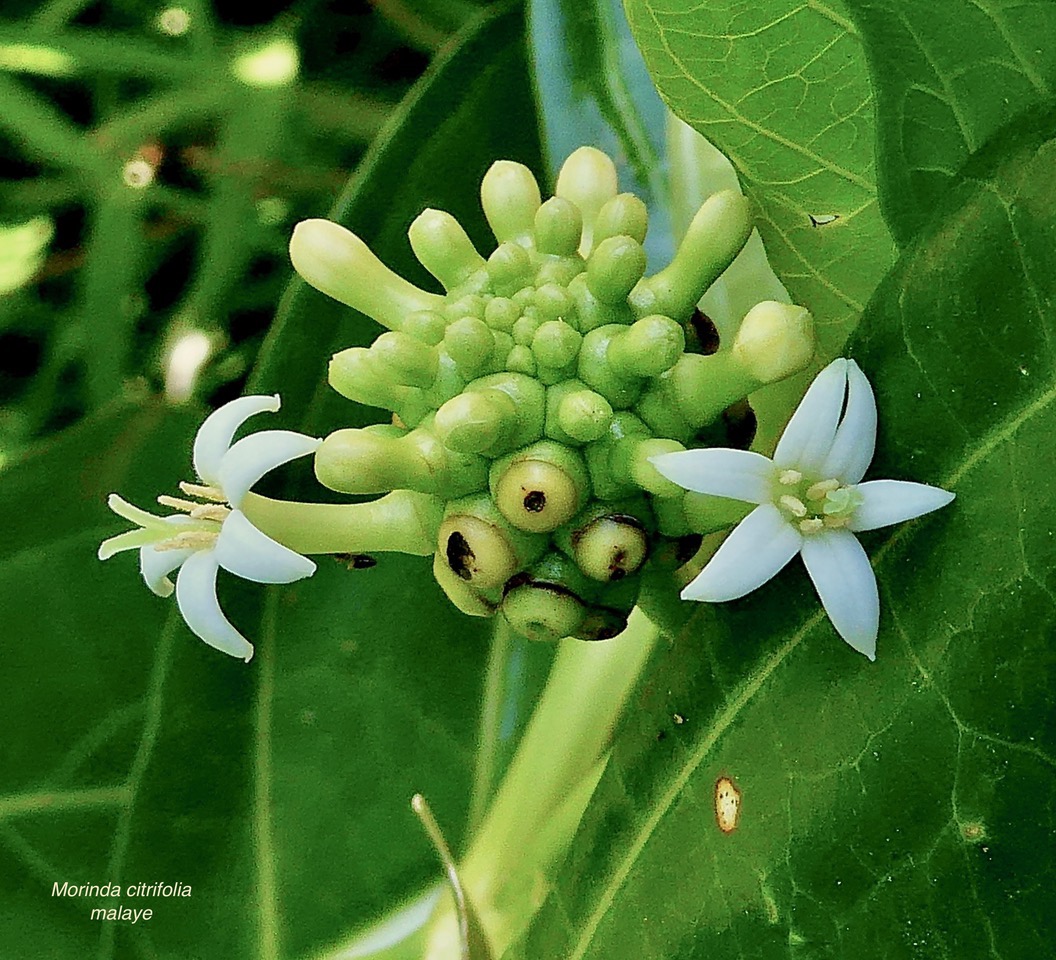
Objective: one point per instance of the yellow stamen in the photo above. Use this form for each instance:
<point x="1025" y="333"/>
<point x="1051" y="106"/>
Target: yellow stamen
<point x="177" y="504"/>
<point x="203" y="492"/>
<point x="793" y="505"/>
<point x="813" y="525"/>
<point x="838" y="521"/>
<point x="822" y="487"/>
<point x="192" y="540"/>
<point x="210" y="511"/>
<point x="790" y="477"/>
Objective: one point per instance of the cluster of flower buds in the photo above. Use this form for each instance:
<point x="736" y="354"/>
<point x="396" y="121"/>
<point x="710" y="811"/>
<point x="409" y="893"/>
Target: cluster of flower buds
<point x="528" y="399"/>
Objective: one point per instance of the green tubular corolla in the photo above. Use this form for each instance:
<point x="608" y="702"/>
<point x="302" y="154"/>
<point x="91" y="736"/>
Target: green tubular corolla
<point x="529" y="397"/>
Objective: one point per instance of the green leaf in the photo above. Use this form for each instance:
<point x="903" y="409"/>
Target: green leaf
<point x="76" y="683"/>
<point x="782" y="89"/>
<point x="279" y="790"/>
<point x="896" y="808"/>
<point x="946" y="77"/>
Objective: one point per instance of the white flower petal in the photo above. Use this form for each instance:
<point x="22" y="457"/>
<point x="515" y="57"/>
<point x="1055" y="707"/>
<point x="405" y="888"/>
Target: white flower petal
<point x="738" y="474"/>
<point x="759" y="547"/>
<point x="196" y="598"/>
<point x="885" y="502"/>
<point x="215" y="434"/>
<point x="852" y="450"/>
<point x="253" y="456"/>
<point x="156" y="565"/>
<point x="809" y="435"/>
<point x="846" y="584"/>
<point x="243" y="550"/>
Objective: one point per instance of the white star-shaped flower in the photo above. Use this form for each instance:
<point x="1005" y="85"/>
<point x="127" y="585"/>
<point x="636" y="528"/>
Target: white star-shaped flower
<point x="810" y="501"/>
<point x="214" y="532"/>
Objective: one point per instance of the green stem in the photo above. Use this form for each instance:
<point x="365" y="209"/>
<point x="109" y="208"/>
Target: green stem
<point x="530" y="822"/>
<point x="403" y="521"/>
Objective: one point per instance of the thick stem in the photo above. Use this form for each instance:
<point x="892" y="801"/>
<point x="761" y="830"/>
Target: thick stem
<point x="403" y="522"/>
<point x="562" y="748"/>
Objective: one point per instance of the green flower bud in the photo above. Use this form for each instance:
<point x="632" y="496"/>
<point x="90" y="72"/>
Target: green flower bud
<point x="510" y="268"/>
<point x="623" y="215"/>
<point x="558" y="227"/>
<point x="510" y="197"/>
<point x="374" y="461"/>
<point x="529" y="399"/>
<point x="444" y="248"/>
<point x="646" y="348"/>
<point x="712" y="241"/>
<point x="671" y="519"/>
<point x="775" y="340"/>
<point x="405" y="359"/>
<point x="501" y="313"/>
<point x="540" y="487"/>
<point x="611" y="482"/>
<point x="630" y="457"/>
<point x="556" y="344"/>
<point x="520" y="359"/>
<point x="552" y="302"/>
<point x="591" y="312"/>
<point x="355" y="373"/>
<point x="615" y="266"/>
<point x="587" y="179"/>
<point x="336" y="262"/>
<point x="617" y="385"/>
<point x="470" y="343"/>
<point x="560" y="270"/>
<point x="468" y="305"/>
<point x="707" y="514"/>
<point x="479" y="422"/>
<point x="524" y="329"/>
<point x="428" y="326"/>
<point x="576" y="414"/>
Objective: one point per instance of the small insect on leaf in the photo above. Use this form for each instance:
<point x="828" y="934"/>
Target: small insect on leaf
<point x="727" y="804"/>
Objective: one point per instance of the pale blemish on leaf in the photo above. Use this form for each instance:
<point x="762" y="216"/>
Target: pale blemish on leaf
<point x="727" y="804"/>
<point x="973" y="831"/>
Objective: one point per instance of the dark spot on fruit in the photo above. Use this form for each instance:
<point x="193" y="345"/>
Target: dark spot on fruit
<point x="616" y="567"/>
<point x="707" y="334"/>
<point x="535" y="501"/>
<point x="459" y="555"/>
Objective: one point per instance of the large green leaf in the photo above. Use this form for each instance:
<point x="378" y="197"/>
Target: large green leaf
<point x="279" y="791"/>
<point x="901" y="808"/>
<point x="946" y="76"/>
<point x="76" y="682"/>
<point x="782" y="89"/>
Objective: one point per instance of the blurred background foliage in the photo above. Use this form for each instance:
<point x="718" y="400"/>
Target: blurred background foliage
<point x="153" y="160"/>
